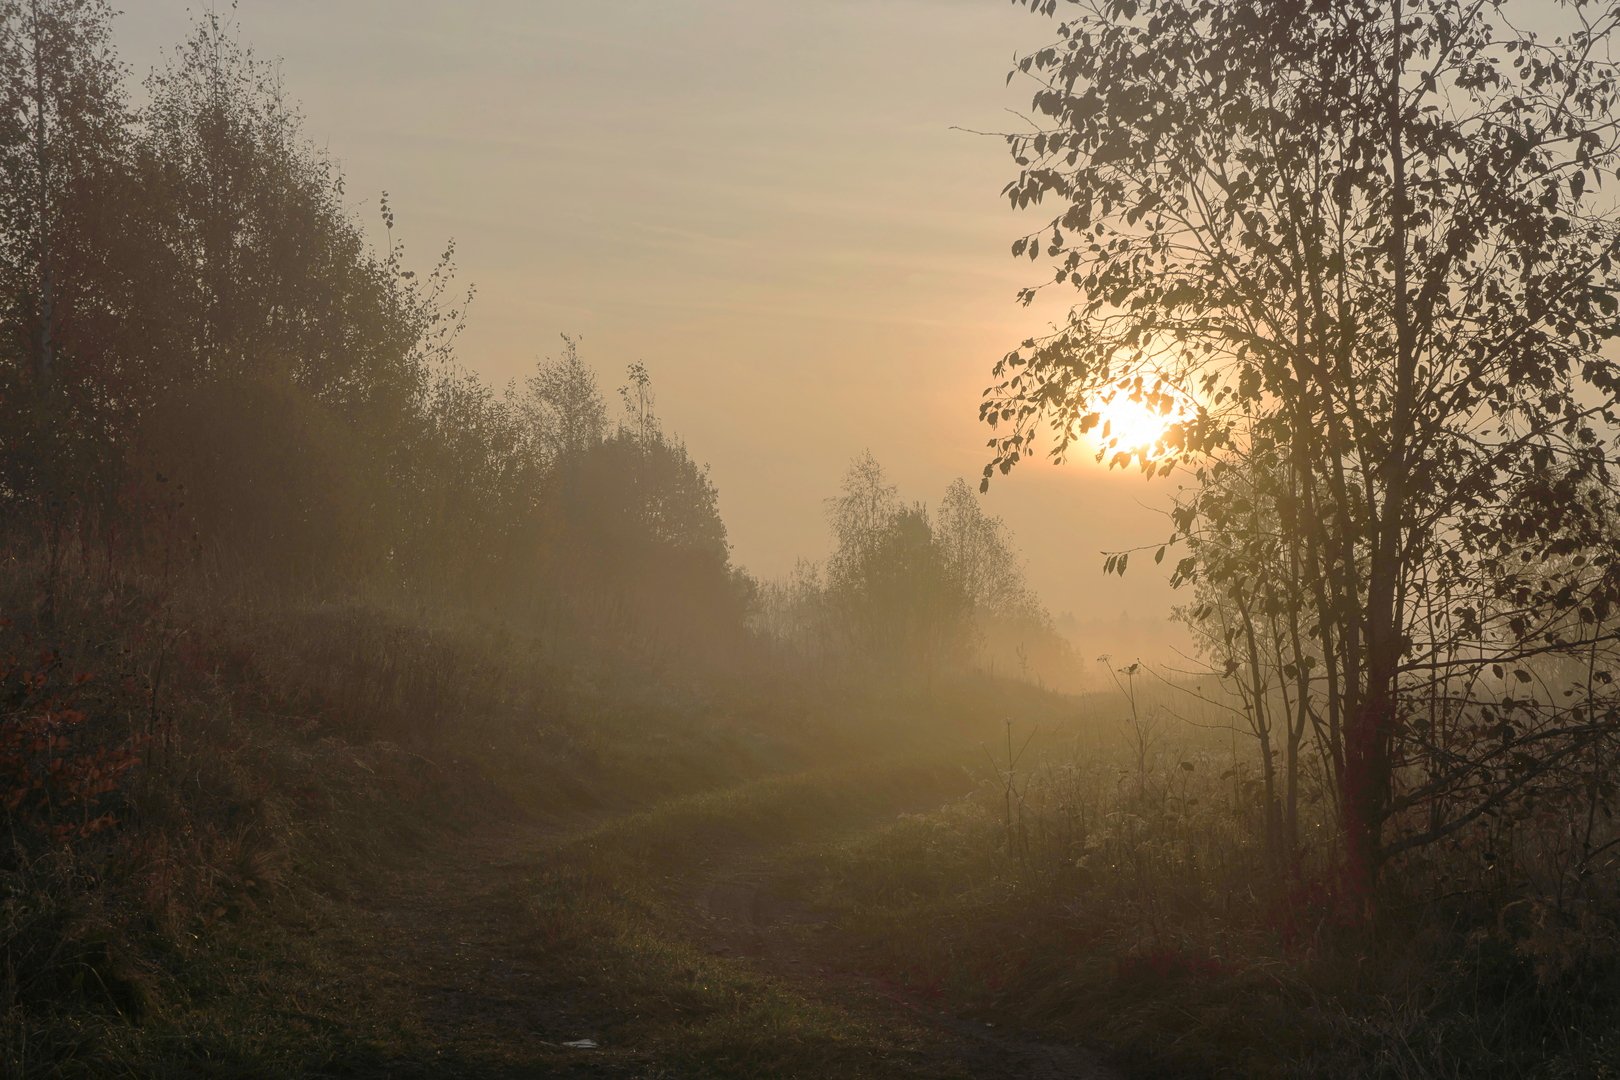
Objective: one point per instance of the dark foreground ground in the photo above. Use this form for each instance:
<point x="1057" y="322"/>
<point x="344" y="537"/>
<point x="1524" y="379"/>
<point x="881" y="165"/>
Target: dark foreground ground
<point x="685" y="940"/>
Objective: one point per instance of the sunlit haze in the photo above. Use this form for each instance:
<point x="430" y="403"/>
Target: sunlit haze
<point x="876" y="539"/>
<point x="775" y="206"/>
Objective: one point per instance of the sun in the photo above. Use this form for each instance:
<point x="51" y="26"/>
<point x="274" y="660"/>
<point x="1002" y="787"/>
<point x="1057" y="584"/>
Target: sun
<point x="1137" y="424"/>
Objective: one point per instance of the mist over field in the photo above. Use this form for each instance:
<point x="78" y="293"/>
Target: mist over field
<point x="1062" y="538"/>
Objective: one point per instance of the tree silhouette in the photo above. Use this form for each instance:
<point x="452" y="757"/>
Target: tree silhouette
<point x="62" y="115"/>
<point x="1363" y="242"/>
<point x="897" y="600"/>
<point x="564" y="406"/>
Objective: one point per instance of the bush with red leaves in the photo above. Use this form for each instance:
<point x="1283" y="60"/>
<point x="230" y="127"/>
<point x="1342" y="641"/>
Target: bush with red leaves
<point x="63" y="767"/>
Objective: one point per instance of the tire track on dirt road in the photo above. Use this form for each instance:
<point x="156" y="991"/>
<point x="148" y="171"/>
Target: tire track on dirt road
<point x="748" y="909"/>
<point x="453" y="947"/>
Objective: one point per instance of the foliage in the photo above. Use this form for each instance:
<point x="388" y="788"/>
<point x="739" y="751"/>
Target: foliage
<point x="636" y="537"/>
<point x="208" y="366"/>
<point x="62" y="122"/>
<point x="1362" y="247"/>
<point x="564" y="407"/>
<point x="907" y="593"/>
<point x="64" y="769"/>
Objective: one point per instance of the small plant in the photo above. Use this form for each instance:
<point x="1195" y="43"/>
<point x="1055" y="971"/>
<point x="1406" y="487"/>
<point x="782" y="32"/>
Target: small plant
<point x="1143" y="733"/>
<point x="1017" y="836"/>
<point x="62" y="771"/>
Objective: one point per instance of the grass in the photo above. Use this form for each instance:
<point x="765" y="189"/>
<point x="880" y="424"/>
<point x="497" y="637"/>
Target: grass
<point x="617" y="908"/>
<point x="367" y="841"/>
<point x="304" y="769"/>
<point x="1140" y="920"/>
<point x="602" y="921"/>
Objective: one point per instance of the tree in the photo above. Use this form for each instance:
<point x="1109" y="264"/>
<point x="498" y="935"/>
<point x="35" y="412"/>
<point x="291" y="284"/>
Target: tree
<point x="1249" y="618"/>
<point x="1365" y="238"/>
<point x="1011" y="629"/>
<point x="272" y="275"/>
<point x="899" y="605"/>
<point x="862" y="509"/>
<point x="564" y="406"/>
<point x="980" y="555"/>
<point x="302" y="386"/>
<point x="632" y="535"/>
<point x="638" y="398"/>
<point x="60" y="114"/>
<point x="792" y="614"/>
<point x="62" y="158"/>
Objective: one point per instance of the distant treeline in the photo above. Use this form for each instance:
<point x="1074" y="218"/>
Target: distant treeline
<point x="204" y="363"/>
<point x="909" y="590"/>
<point x="207" y="368"/>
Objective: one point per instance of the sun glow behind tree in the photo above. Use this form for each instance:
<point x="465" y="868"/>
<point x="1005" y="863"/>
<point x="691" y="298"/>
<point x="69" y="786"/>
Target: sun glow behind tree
<point x="1145" y="426"/>
<point x="1371" y="231"/>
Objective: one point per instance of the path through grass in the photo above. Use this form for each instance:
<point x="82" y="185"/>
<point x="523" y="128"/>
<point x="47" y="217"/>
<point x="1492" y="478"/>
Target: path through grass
<point x="670" y="939"/>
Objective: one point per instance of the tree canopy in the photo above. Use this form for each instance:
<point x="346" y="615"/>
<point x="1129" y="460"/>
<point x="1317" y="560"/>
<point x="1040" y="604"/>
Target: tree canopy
<point x="206" y="361"/>
<point x="1363" y="247"/>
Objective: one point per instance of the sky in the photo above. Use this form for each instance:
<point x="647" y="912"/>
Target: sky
<point x="772" y="204"/>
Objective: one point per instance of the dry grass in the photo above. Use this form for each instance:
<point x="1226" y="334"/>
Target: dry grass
<point x="290" y="755"/>
<point x="1078" y="895"/>
<point x="306" y="772"/>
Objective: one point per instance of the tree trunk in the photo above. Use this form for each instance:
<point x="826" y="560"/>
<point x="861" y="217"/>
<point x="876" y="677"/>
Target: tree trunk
<point x="1368" y="772"/>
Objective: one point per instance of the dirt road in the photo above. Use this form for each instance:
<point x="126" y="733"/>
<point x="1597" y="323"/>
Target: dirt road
<point x="496" y="954"/>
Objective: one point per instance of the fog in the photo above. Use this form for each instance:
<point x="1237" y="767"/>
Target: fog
<point x="907" y="538"/>
<point x="777" y="207"/>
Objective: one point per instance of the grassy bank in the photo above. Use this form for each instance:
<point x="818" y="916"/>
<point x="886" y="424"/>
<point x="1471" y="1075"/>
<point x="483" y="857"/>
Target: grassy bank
<point x="358" y="840"/>
<point x="222" y="789"/>
<point x="1136" y="913"/>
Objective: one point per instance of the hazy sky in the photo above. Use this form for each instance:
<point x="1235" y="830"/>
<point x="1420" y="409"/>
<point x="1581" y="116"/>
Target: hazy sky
<point x="762" y="199"/>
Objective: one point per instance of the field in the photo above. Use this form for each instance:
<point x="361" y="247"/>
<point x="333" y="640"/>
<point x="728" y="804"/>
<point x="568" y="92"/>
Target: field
<point x="552" y="876"/>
